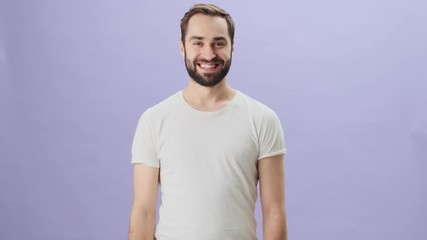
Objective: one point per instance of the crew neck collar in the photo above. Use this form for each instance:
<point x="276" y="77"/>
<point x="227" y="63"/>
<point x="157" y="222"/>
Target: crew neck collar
<point x="196" y="111"/>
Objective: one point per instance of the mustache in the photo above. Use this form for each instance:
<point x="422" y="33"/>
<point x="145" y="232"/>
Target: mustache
<point x="213" y="60"/>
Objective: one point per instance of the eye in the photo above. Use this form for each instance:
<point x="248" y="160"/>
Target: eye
<point x="219" y="44"/>
<point x="197" y="43"/>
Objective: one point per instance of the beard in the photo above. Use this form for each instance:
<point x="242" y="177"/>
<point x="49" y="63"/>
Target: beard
<point x="207" y="79"/>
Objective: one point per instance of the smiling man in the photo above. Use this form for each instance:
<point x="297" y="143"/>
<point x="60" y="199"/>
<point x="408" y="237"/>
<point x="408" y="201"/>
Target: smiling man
<point x="208" y="146"/>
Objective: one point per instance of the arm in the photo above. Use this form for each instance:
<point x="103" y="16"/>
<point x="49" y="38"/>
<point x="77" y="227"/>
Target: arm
<point x="143" y="214"/>
<point x="271" y="184"/>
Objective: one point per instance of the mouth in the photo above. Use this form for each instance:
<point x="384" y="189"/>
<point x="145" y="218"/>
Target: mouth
<point x="208" y="66"/>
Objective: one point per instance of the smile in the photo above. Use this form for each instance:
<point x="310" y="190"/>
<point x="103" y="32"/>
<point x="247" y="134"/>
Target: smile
<point x="207" y="66"/>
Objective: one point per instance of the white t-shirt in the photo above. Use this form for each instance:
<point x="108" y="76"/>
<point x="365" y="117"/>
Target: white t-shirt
<point x="208" y="165"/>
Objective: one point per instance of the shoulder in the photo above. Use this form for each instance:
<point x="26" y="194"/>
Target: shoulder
<point x="257" y="109"/>
<point x="156" y="114"/>
<point x="163" y="108"/>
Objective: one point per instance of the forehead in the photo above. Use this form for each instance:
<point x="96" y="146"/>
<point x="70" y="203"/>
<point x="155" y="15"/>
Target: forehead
<point x="207" y="27"/>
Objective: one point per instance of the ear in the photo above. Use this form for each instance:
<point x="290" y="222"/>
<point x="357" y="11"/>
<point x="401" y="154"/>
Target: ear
<point x="232" y="48"/>
<point x="182" y="48"/>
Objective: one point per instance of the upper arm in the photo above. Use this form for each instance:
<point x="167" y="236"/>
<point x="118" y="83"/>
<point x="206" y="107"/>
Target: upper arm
<point x="145" y="184"/>
<point x="271" y="183"/>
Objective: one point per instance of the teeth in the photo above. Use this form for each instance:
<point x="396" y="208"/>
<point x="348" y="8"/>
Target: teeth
<point x="207" y="66"/>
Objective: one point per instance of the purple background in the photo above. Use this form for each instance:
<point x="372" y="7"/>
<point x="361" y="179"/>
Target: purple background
<point x="347" y="78"/>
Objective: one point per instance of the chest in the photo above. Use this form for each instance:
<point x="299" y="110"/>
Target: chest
<point x="223" y="145"/>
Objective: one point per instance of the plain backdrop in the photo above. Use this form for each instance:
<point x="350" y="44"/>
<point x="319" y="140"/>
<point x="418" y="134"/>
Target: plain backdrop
<point x="347" y="79"/>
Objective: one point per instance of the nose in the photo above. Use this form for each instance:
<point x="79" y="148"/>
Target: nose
<point x="208" y="53"/>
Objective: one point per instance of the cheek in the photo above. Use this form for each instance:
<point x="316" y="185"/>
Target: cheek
<point x="191" y="55"/>
<point x="224" y="57"/>
<point x="225" y="54"/>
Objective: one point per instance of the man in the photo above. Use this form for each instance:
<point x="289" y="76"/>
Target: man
<point x="208" y="146"/>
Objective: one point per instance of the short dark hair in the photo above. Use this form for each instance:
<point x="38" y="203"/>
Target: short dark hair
<point x="210" y="10"/>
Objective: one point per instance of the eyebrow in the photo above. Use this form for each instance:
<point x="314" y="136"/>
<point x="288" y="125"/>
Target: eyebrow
<point x="220" y="39"/>
<point x="201" y="38"/>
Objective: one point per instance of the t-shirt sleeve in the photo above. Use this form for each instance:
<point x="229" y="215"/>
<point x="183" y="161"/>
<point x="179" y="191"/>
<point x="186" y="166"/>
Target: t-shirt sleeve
<point x="144" y="142"/>
<point x="271" y="137"/>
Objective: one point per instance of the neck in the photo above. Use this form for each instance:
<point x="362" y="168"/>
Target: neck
<point x="208" y="98"/>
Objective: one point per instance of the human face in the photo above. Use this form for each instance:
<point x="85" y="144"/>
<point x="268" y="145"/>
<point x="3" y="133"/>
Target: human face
<point x="207" y="49"/>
